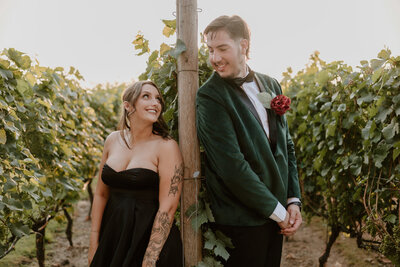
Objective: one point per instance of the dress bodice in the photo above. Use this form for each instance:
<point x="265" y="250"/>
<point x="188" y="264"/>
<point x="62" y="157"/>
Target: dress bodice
<point x="130" y="179"/>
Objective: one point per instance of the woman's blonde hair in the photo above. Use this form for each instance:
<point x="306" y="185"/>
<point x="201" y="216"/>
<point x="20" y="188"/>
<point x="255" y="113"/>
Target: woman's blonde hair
<point x="131" y="95"/>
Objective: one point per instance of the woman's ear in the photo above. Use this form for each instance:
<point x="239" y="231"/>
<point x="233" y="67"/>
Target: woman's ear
<point x="128" y="107"/>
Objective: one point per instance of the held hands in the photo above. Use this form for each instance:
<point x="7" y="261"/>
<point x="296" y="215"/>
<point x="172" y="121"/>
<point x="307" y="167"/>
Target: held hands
<point x="292" y="221"/>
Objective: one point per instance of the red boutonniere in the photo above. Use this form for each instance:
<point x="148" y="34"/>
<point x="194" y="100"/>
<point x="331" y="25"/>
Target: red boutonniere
<point x="280" y="104"/>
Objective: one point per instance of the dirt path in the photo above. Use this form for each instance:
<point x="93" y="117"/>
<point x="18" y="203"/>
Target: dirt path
<point x="302" y="250"/>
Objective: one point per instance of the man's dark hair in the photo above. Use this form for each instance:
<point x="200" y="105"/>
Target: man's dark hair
<point x="234" y="25"/>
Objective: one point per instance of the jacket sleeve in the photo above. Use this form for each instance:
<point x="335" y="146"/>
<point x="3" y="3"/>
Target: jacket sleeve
<point x="293" y="179"/>
<point x="217" y="134"/>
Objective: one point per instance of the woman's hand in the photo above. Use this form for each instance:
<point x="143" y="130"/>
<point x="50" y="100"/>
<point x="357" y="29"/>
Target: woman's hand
<point x="93" y="244"/>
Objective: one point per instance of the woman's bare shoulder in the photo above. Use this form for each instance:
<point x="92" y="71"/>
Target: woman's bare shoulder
<point x="112" y="138"/>
<point x="168" y="146"/>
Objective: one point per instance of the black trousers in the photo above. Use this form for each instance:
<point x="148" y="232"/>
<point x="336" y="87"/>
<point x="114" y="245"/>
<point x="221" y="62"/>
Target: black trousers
<point x="255" y="246"/>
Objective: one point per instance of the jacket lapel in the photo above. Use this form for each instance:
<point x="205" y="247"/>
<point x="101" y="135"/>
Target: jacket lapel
<point x="245" y="99"/>
<point x="271" y="115"/>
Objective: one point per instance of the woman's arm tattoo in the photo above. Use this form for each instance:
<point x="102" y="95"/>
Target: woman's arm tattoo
<point x="176" y="180"/>
<point x="161" y="227"/>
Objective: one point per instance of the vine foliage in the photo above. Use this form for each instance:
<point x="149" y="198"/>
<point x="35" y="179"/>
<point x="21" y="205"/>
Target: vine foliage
<point x="51" y="136"/>
<point x="345" y="125"/>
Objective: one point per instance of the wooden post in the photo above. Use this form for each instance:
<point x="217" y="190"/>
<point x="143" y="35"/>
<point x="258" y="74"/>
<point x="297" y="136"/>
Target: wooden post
<point x="188" y="83"/>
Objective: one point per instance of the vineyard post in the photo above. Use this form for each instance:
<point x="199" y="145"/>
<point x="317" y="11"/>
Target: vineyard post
<point x="187" y="87"/>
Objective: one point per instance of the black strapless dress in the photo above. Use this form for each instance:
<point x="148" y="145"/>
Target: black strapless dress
<point x="128" y="220"/>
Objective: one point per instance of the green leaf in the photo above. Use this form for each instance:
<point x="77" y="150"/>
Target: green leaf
<point x="265" y="99"/>
<point x="381" y="153"/>
<point x="3" y="137"/>
<point x="13" y="204"/>
<point x="377" y="74"/>
<point x="21" y="60"/>
<point x="170" y="23"/>
<point x="168" y="31"/>
<point x="342" y="107"/>
<point x="366" y="131"/>
<point x="3" y="105"/>
<point x="323" y="77"/>
<point x="70" y="124"/>
<point x="220" y="250"/>
<point x="164" y="48"/>
<point x="384" y="54"/>
<point x="397" y="111"/>
<point x="390" y="130"/>
<point x="141" y="44"/>
<point x="153" y="57"/>
<point x="30" y="78"/>
<point x="210" y="216"/>
<point x="226" y="240"/>
<point x="23" y="88"/>
<point x="179" y="49"/>
<point x="377" y="63"/>
<point x="396" y="151"/>
<point x="6" y="74"/>
<point x="44" y="103"/>
<point x="391" y="218"/>
<point x="198" y="220"/>
<point x="209" y="262"/>
<point x="396" y="99"/>
<point x="383" y="113"/>
<point x="331" y="129"/>
<point x="47" y="192"/>
<point x="19" y="229"/>
<point x="365" y="99"/>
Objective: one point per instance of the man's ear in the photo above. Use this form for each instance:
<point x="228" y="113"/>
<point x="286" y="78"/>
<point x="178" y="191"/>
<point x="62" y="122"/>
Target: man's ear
<point x="244" y="44"/>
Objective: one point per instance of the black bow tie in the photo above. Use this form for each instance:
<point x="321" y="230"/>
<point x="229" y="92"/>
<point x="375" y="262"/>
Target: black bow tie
<point x="240" y="81"/>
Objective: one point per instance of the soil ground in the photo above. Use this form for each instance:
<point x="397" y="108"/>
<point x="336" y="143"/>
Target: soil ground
<point x="301" y="250"/>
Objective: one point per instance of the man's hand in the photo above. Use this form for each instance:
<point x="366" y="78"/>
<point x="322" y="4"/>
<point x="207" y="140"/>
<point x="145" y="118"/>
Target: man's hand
<point x="295" y="220"/>
<point x="285" y="223"/>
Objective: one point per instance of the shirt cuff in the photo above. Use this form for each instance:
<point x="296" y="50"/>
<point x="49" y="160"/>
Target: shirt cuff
<point x="279" y="213"/>
<point x="293" y="199"/>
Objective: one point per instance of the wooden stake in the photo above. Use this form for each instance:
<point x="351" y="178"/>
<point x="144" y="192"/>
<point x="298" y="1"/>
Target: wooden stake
<point x="188" y="83"/>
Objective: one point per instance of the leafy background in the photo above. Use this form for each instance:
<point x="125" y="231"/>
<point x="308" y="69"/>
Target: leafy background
<point x="344" y="123"/>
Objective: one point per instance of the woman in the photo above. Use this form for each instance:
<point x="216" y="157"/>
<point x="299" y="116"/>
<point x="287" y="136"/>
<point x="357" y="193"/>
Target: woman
<point x="138" y="188"/>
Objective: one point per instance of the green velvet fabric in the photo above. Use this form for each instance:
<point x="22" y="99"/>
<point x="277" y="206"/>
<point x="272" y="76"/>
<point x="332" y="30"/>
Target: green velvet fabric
<point x="244" y="178"/>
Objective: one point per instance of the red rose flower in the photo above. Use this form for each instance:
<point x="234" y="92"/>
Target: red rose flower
<point x="280" y="104"/>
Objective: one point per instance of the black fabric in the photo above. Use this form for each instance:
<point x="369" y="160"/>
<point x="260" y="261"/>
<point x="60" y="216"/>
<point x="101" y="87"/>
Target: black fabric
<point x="272" y="129"/>
<point x="240" y="81"/>
<point x="245" y="99"/>
<point x="255" y="246"/>
<point x="128" y="219"/>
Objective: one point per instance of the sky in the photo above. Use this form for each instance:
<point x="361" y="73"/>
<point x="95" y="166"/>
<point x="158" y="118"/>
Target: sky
<point x="95" y="36"/>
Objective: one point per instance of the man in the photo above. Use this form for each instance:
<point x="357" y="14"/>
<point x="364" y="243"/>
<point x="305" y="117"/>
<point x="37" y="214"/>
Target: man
<point x="251" y="171"/>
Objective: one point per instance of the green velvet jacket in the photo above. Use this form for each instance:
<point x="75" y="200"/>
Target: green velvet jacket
<point x="245" y="179"/>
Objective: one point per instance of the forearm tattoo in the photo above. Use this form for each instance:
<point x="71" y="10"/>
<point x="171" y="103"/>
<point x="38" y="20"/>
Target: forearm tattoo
<point x="176" y="180"/>
<point x="161" y="227"/>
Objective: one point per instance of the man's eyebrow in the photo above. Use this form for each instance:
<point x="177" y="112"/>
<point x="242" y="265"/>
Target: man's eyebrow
<point x="219" y="46"/>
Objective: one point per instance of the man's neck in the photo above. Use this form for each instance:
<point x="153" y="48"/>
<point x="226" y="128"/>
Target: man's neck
<point x="243" y="72"/>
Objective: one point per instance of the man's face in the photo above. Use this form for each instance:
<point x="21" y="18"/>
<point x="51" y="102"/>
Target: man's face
<point x="227" y="56"/>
